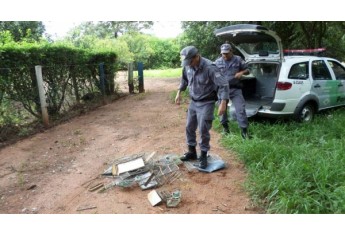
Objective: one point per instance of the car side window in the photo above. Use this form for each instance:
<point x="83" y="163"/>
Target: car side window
<point x="338" y="69"/>
<point x="299" y="71"/>
<point x="320" y="71"/>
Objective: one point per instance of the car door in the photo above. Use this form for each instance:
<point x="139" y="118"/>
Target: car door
<point x="338" y="72"/>
<point x="323" y="85"/>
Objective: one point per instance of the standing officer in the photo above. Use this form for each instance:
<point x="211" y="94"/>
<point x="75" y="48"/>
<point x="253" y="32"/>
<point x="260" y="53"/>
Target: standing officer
<point x="234" y="67"/>
<point x="204" y="80"/>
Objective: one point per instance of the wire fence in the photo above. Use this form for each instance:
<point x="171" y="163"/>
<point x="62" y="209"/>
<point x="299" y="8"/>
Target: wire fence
<point x="68" y="89"/>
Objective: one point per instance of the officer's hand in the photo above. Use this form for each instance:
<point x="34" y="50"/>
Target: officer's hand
<point x="178" y="98"/>
<point x="238" y="75"/>
<point x="222" y="108"/>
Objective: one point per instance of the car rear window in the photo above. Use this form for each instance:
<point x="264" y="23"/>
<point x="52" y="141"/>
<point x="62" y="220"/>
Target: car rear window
<point x="299" y="71"/>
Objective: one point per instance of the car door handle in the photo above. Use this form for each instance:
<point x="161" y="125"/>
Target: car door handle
<point x="317" y="86"/>
<point x="340" y="85"/>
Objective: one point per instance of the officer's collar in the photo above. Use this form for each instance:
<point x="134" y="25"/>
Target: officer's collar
<point x="201" y="65"/>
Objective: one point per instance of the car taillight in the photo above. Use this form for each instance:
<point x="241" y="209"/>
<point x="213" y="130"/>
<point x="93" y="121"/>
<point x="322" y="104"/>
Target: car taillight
<point x="284" y="85"/>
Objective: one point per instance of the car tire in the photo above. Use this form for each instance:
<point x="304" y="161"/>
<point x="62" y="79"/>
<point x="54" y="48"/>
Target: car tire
<point x="305" y="113"/>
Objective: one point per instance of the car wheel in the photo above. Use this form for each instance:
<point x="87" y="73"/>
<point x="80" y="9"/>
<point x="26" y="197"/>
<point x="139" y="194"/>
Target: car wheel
<point x="306" y="113"/>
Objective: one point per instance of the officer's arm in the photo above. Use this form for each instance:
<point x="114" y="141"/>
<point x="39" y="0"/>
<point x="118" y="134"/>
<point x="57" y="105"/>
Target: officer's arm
<point x="241" y="73"/>
<point x="221" y="81"/>
<point x="223" y="89"/>
<point x="178" y="98"/>
<point x="183" y="81"/>
<point x="182" y="87"/>
<point x="243" y="70"/>
<point x="222" y="107"/>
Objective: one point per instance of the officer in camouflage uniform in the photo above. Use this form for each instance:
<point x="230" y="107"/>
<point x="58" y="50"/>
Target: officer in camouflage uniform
<point x="204" y="80"/>
<point x="234" y="67"/>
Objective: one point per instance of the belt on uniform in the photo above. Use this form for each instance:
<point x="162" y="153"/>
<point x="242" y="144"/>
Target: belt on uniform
<point x="238" y="85"/>
<point x="211" y="97"/>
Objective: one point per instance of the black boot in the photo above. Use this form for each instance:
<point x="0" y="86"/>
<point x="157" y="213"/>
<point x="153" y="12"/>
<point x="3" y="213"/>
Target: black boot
<point x="226" y="128"/>
<point x="202" y="160"/>
<point x="190" y="155"/>
<point x="245" y="134"/>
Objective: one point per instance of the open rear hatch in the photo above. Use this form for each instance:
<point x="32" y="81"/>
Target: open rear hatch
<point x="262" y="50"/>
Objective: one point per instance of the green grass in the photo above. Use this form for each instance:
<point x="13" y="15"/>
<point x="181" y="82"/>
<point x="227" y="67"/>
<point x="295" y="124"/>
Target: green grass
<point x="293" y="167"/>
<point x="167" y="73"/>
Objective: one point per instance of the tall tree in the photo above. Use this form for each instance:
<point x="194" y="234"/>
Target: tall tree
<point x="201" y="35"/>
<point x="300" y="34"/>
<point x="294" y="35"/>
<point x="312" y="34"/>
<point x="117" y="27"/>
<point x="32" y="30"/>
<point x="109" y="29"/>
<point x="286" y="30"/>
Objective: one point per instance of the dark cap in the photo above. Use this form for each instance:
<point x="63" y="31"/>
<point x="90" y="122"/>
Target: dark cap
<point x="187" y="55"/>
<point x="225" y="48"/>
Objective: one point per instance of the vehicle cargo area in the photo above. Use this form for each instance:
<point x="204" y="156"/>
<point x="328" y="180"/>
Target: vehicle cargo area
<point x="259" y="86"/>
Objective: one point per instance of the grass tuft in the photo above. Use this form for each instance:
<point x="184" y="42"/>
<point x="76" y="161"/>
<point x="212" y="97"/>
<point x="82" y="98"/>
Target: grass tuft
<point x="293" y="167"/>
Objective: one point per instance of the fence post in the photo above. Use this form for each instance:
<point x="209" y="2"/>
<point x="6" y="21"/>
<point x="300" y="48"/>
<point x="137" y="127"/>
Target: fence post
<point x="39" y="78"/>
<point x="75" y="85"/>
<point x="102" y="80"/>
<point x="102" y="77"/>
<point x="130" y="78"/>
<point x="141" y="77"/>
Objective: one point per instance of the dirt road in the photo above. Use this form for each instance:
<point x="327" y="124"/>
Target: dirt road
<point x="50" y="171"/>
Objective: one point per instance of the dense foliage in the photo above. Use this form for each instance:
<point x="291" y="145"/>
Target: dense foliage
<point x="294" y="35"/>
<point x="68" y="73"/>
<point x="109" y="29"/>
<point x="23" y="30"/>
<point x="125" y="39"/>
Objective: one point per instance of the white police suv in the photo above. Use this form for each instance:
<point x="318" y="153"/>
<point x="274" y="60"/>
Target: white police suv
<point x="278" y="85"/>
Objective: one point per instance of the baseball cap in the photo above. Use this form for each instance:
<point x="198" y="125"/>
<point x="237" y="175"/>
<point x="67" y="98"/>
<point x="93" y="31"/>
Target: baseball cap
<point x="187" y="55"/>
<point x="225" y="48"/>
